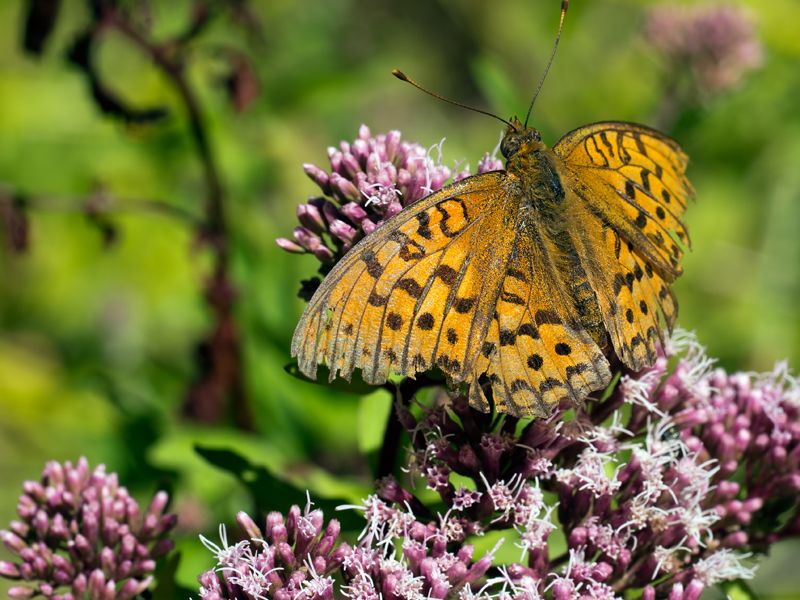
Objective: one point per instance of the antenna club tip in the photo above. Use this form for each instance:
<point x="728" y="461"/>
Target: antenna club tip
<point x="399" y="74"/>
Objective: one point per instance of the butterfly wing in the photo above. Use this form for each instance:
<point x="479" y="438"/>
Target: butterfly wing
<point x="535" y="353"/>
<point x="417" y="293"/>
<point x="628" y="192"/>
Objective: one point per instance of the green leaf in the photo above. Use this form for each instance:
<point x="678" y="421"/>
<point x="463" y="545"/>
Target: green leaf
<point x="372" y="416"/>
<point x="357" y="386"/>
<point x="168" y="588"/>
<point x="497" y="86"/>
<point x="271" y="493"/>
<point x="738" y="590"/>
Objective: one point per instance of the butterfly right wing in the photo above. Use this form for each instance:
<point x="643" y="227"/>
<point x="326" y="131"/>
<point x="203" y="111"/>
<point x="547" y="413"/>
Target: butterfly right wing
<point x="417" y="293"/>
<point x="535" y="353"/>
<point x="627" y="192"/>
<point x="633" y="178"/>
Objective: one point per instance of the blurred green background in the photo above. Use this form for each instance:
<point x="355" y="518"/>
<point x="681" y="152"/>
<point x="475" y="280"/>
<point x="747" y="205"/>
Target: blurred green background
<point x="97" y="341"/>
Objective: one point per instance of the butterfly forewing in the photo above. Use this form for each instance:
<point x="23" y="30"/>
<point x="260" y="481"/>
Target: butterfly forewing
<point x="415" y="294"/>
<point x="633" y="178"/>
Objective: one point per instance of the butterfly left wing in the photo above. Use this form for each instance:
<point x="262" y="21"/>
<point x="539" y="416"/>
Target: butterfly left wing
<point x="628" y="193"/>
<point x="417" y="293"/>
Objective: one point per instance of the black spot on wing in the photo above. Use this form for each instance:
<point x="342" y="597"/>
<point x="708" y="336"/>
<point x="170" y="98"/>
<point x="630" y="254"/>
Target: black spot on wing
<point x="528" y="329"/>
<point x="535" y="362"/>
<point x="563" y="349"/>
<point x="425" y="321"/>
<point x="507" y="337"/>
<point x="410" y="286"/>
<point x="394" y="321"/>
<point x="463" y="305"/>
<point x="447" y="274"/>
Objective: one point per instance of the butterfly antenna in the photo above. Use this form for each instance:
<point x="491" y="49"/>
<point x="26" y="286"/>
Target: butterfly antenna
<point x="403" y="77"/>
<point x="564" y="5"/>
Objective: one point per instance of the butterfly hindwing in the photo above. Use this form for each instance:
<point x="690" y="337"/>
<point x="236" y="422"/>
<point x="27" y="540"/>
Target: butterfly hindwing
<point x="535" y="354"/>
<point x="633" y="178"/>
<point x="411" y="295"/>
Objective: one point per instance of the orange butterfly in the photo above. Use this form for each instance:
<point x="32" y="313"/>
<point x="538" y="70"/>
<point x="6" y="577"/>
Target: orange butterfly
<point x="523" y="276"/>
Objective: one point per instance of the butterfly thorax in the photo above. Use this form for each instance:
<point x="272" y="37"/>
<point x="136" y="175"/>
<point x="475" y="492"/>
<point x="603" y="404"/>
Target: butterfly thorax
<point x="539" y="217"/>
<point x="534" y="166"/>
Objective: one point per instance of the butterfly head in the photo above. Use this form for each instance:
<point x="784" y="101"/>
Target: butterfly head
<point x="520" y="139"/>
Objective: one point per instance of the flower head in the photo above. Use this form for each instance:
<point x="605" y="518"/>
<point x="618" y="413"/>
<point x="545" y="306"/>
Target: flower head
<point x="81" y="535"/>
<point x="292" y="558"/>
<point x="370" y="180"/>
<point x="717" y="43"/>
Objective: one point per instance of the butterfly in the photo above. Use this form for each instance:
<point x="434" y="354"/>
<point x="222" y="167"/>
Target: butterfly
<point x="517" y="281"/>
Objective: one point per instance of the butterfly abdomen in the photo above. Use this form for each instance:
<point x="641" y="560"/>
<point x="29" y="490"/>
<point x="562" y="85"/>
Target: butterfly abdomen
<point x="574" y="278"/>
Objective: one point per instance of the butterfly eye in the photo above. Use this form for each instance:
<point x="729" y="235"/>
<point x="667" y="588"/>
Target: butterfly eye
<point x="509" y="146"/>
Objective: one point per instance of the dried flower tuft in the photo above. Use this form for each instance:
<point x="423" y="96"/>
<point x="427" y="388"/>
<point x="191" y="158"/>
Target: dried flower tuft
<point x="718" y="44"/>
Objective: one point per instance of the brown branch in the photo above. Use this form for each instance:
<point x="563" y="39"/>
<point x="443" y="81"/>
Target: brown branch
<point x="219" y="355"/>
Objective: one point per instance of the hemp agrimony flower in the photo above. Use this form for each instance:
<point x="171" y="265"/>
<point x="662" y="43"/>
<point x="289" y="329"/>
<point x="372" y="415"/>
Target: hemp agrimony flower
<point x="81" y="535"/>
<point x="670" y="485"/>
<point x="371" y="179"/>
<point x="717" y="44"/>
<point x="291" y="559"/>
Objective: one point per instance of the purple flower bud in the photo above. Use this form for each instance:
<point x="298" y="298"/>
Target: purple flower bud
<point x="563" y="589"/>
<point x="676" y="593"/>
<point x="80" y="585"/>
<point x="133" y="588"/>
<point x="311" y="217"/>
<point x="276" y="530"/>
<point x="344" y="232"/>
<point x="329" y="538"/>
<point x="107" y="561"/>
<point x="354" y="212"/>
<point x="12" y="541"/>
<point x="324" y="254"/>
<point x="693" y="590"/>
<point x="344" y="189"/>
<point x="306" y="238"/>
<point x="318" y="176"/>
<point x="9" y="570"/>
<point x="248" y="525"/>
<point x="97" y="584"/>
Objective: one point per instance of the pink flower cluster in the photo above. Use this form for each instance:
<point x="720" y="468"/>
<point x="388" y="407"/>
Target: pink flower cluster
<point x="665" y="488"/>
<point x="717" y="43"/>
<point x="80" y="535"/>
<point x="371" y="179"/>
<point x="291" y="559"/>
